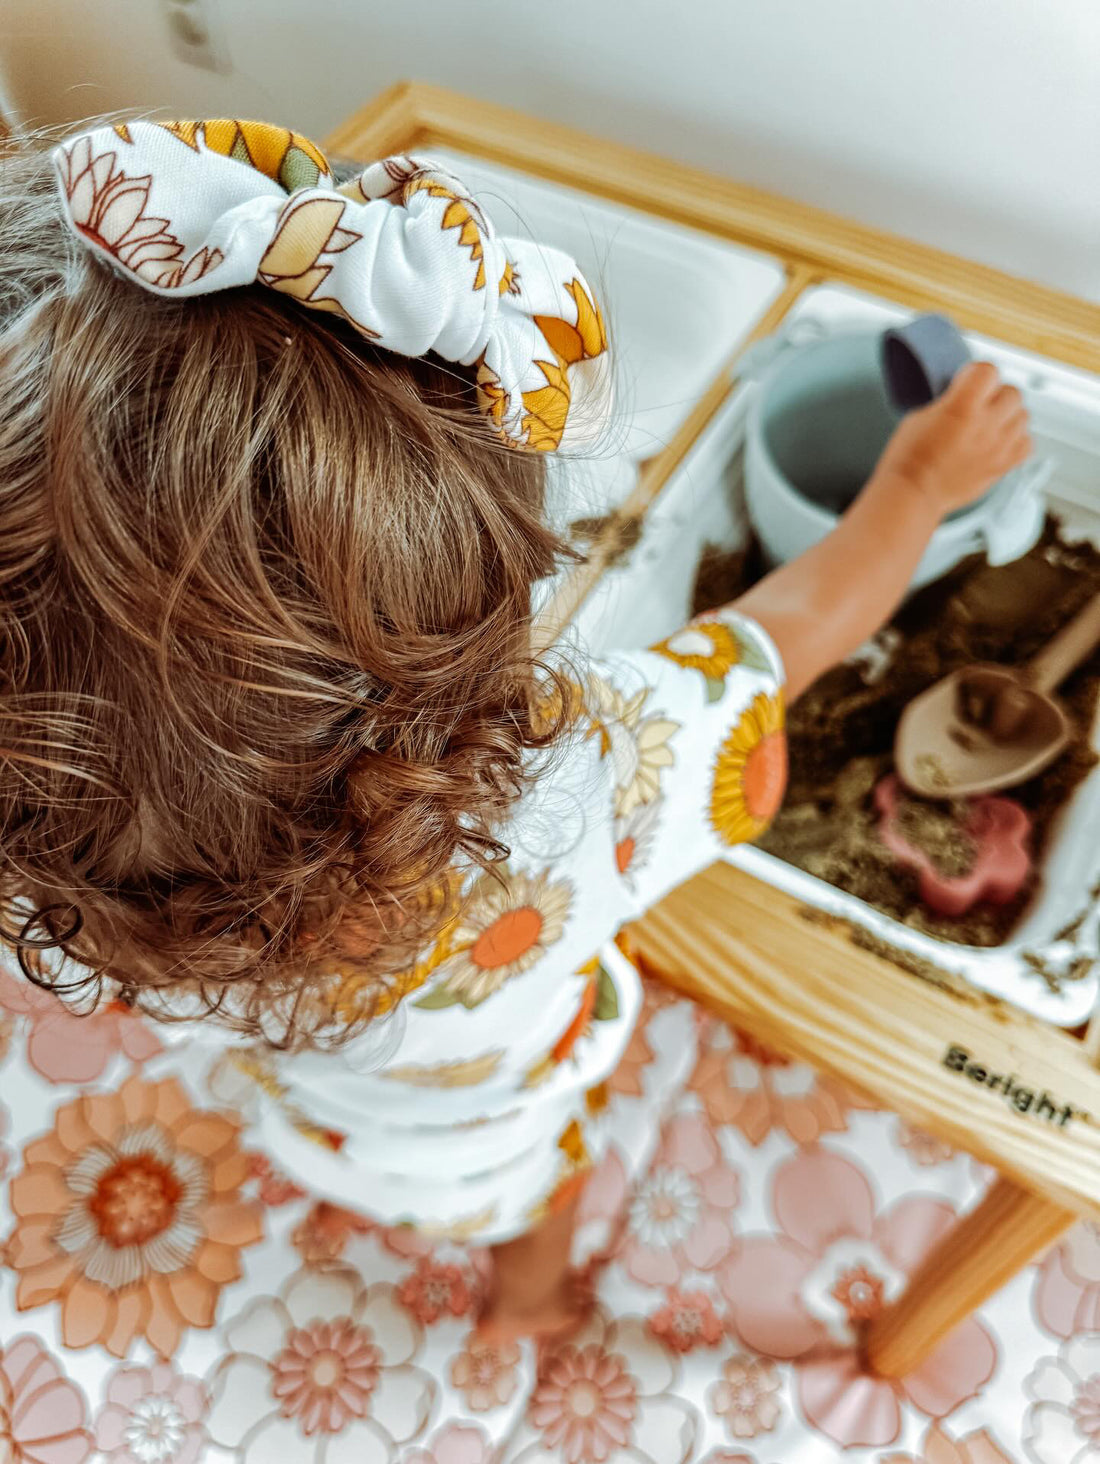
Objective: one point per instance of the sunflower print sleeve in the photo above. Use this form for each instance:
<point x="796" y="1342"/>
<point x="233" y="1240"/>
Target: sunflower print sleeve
<point x="694" y="731"/>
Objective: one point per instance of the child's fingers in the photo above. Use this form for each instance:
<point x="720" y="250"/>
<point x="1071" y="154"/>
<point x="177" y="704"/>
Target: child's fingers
<point x="974" y="384"/>
<point x="1007" y="404"/>
<point x="1017" y="449"/>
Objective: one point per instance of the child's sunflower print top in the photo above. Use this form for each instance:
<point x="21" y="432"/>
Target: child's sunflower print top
<point x="473" y="1106"/>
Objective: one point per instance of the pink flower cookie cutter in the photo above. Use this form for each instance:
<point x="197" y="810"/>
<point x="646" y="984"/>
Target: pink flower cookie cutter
<point x="1000" y="829"/>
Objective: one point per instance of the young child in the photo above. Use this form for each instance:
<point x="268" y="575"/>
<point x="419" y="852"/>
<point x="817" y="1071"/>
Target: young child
<point x="278" y="765"/>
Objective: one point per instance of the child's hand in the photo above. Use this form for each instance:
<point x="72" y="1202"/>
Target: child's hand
<point x="956" y="448"/>
<point x="816" y="609"/>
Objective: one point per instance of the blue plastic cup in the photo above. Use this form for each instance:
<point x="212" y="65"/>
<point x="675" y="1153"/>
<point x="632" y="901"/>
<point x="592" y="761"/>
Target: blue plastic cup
<point x="921" y="359"/>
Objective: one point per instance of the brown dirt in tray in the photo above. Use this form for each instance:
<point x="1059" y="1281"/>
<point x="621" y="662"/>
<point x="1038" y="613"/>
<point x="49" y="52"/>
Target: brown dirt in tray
<point x="842" y="730"/>
<point x="938" y="831"/>
<point x="723" y="574"/>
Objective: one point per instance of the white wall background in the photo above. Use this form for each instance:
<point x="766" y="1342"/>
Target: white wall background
<point x="971" y="124"/>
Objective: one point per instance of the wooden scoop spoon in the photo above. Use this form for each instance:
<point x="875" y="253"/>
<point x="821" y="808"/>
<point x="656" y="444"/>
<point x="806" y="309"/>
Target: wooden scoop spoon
<point x="988" y="727"/>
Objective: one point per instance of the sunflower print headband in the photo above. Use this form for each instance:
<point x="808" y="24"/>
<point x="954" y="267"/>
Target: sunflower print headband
<point x="402" y="252"/>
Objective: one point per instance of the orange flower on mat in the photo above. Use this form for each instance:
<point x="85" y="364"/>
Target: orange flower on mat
<point x="612" y="1393"/>
<point x="627" y="1077"/>
<point x="273" y="1187"/>
<point x="759" y="1091"/>
<point x="687" y="1320"/>
<point x="750" y="774"/>
<point x="129" y="1217"/>
<point x="433" y="1291"/>
<point x="486" y="1375"/>
<point x="325" y="1231"/>
<point x="937" y="1447"/>
<point x="585" y="1404"/>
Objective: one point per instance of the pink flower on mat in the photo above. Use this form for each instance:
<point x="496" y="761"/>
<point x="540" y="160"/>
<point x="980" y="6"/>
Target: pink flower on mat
<point x="627" y="1077"/>
<point x="42" y="1413"/>
<point x="745" y="1397"/>
<point x="485" y="1374"/>
<point x="65" y="1048"/>
<point x="806" y="1292"/>
<point x="404" y="1240"/>
<point x="457" y="1443"/>
<point x="602" y="1205"/>
<point x="679" y="1218"/>
<point x="936" y="1447"/>
<point x="743" y="1083"/>
<point x="435" y="1291"/>
<point x="611" y="1393"/>
<point x="325" y="1374"/>
<point x="152" y="1416"/>
<point x="1067" y="1292"/>
<point x="687" y="1320"/>
<point x="585" y="1403"/>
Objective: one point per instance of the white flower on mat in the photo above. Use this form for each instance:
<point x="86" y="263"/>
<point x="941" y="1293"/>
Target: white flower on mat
<point x="1063" y="1424"/>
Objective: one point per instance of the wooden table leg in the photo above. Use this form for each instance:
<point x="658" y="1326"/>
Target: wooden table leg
<point x="973" y="1260"/>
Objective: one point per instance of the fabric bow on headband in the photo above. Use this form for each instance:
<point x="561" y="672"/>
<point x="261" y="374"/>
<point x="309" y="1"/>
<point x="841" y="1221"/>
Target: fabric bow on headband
<point x="402" y="252"/>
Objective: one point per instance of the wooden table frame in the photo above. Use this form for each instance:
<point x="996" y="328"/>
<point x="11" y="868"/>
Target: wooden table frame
<point x="946" y="1056"/>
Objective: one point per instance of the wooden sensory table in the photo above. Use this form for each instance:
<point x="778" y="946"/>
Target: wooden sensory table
<point x="735" y="944"/>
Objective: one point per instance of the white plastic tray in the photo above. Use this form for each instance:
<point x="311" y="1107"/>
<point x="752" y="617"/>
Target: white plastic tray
<point x="648" y="596"/>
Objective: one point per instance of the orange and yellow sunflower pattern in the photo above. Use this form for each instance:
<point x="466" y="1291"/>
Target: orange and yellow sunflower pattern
<point x="402" y="253"/>
<point x="750" y="773"/>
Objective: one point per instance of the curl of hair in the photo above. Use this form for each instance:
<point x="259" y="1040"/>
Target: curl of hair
<point x="265" y="668"/>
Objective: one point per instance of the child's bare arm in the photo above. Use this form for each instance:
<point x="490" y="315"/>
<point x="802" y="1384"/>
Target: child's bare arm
<point x="820" y="607"/>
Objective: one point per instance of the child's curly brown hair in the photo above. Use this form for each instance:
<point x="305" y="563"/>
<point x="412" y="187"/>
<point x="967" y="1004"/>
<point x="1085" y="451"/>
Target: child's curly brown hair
<point x="264" y="640"/>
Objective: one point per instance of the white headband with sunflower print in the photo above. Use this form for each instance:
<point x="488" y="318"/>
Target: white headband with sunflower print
<point x="402" y="252"/>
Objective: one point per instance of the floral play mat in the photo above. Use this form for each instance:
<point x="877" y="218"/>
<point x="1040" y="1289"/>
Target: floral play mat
<point x="170" y="1297"/>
